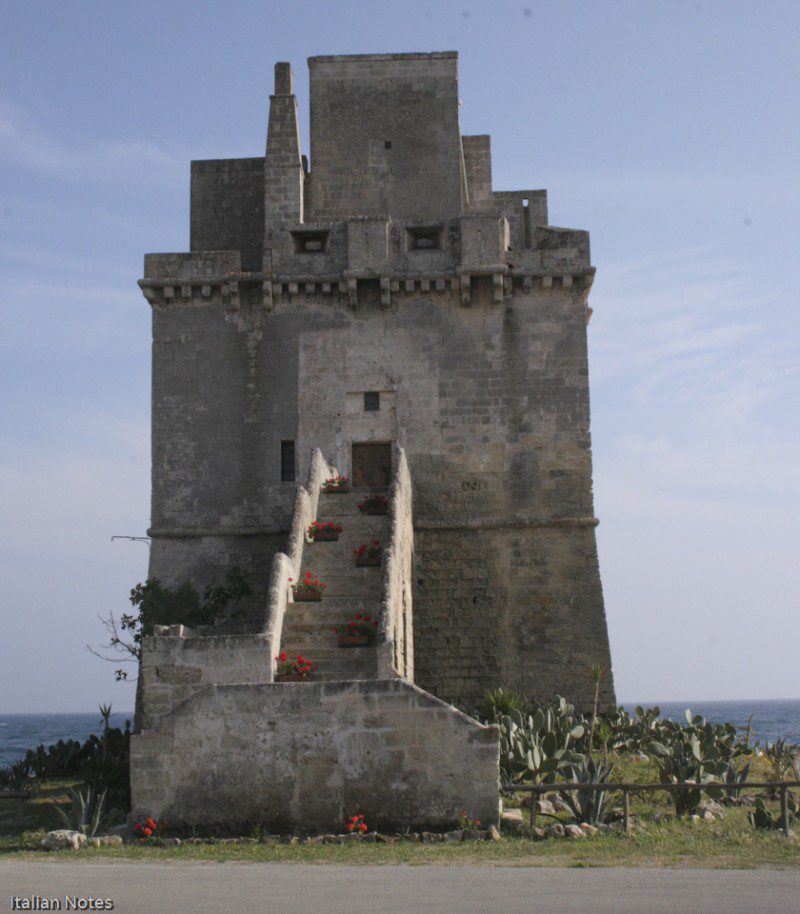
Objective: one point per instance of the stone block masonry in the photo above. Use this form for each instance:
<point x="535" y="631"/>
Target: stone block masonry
<point x="378" y="291"/>
<point x="390" y="265"/>
<point x="306" y="755"/>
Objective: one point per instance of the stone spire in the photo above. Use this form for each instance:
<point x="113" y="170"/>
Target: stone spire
<point x="283" y="169"/>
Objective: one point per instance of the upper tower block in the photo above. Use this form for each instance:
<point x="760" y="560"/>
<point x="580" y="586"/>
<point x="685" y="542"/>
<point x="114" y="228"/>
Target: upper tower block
<point x="385" y="138"/>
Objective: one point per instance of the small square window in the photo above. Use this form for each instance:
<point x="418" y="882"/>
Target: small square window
<point x="287" y="461"/>
<point x="387" y="144"/>
<point x="310" y="242"/>
<point x="428" y="238"/>
<point x="372" y="401"/>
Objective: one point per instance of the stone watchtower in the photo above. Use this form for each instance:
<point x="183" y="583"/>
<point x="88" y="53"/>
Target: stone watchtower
<point x="381" y="310"/>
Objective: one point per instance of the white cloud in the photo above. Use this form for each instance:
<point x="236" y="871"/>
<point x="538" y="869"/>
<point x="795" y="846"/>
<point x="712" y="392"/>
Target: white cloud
<point x="59" y="507"/>
<point x="696" y="439"/>
<point x="26" y="145"/>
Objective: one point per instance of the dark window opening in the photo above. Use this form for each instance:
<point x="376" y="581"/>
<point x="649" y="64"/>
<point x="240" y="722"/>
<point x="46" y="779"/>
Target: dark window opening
<point x="425" y="239"/>
<point x="287" y="461"/>
<point x="368" y="291"/>
<point x="526" y="223"/>
<point x="372" y="401"/>
<point x="372" y="464"/>
<point x="310" y="242"/>
<point x="387" y="144"/>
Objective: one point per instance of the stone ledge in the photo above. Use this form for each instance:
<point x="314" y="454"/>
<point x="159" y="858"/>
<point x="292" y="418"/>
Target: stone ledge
<point x="499" y="523"/>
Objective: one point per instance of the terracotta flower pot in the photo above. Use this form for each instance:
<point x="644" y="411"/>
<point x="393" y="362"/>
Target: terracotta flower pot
<point x="325" y="536"/>
<point x="355" y="640"/>
<point x="291" y="677"/>
<point x="307" y="596"/>
<point x="368" y="561"/>
<point x="335" y="490"/>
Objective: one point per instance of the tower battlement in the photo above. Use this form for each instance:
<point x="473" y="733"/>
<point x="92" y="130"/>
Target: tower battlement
<point x="395" y="194"/>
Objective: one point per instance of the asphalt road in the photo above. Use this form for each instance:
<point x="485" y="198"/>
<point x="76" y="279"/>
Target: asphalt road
<point x="213" y="888"/>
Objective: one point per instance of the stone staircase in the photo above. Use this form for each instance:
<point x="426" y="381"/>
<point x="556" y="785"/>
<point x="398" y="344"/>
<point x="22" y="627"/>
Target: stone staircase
<point x="309" y="628"/>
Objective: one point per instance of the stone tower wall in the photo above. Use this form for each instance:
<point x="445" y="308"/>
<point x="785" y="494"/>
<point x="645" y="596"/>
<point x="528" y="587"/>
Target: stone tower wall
<point x="476" y="343"/>
<point x="490" y="403"/>
<point x="385" y="136"/>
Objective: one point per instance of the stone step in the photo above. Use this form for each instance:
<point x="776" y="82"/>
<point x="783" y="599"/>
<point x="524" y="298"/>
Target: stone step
<point x="344" y="675"/>
<point x="344" y="508"/>
<point x="351" y="665"/>
<point x="347" y="504"/>
<point x="300" y="631"/>
<point x="347" y="573"/>
<point x="349" y="540"/>
<point x="331" y="652"/>
<point x="331" y="601"/>
<point x="309" y="628"/>
<point x="332" y="614"/>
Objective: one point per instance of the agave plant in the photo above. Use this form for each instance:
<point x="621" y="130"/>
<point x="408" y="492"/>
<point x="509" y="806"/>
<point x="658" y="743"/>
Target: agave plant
<point x="15" y="775"/>
<point x="736" y="777"/>
<point x="589" y="805"/>
<point x="779" y="756"/>
<point x="693" y="754"/>
<point x="500" y="701"/>
<point x="85" y="813"/>
<point x="761" y="817"/>
<point x="537" y="747"/>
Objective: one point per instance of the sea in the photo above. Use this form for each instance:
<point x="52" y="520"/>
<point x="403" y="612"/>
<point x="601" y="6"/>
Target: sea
<point x="770" y="720"/>
<point x="20" y="732"/>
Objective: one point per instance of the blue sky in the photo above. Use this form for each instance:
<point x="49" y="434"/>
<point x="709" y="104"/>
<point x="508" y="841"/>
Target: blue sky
<point x="669" y="130"/>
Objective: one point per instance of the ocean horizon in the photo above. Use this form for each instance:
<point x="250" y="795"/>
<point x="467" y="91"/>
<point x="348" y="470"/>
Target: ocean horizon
<point x="771" y="719"/>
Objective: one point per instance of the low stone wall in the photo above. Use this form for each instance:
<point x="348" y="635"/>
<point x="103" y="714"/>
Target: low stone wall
<point x="306" y="755"/>
<point x="396" y="637"/>
<point x="177" y="664"/>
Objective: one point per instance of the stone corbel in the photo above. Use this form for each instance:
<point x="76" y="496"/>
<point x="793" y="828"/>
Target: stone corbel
<point x="464" y="280"/>
<point x="266" y="296"/>
<point x="151" y="295"/>
<point x="386" y="294"/>
<point x="230" y="297"/>
<point x="497" y="282"/>
<point x="352" y="292"/>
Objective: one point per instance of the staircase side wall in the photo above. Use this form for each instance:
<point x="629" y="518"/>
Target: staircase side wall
<point x="307" y="755"/>
<point x="396" y="642"/>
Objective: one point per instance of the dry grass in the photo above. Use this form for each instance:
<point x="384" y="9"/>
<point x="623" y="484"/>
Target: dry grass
<point x="728" y="843"/>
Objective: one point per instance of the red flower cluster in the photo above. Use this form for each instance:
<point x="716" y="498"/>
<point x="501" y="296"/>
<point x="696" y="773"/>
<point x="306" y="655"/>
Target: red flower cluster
<point x="335" y="482"/>
<point x="299" y="667"/>
<point x="470" y="824"/>
<point x="360" y="625"/>
<point x="373" y="501"/>
<point x="146" y="829"/>
<point x="373" y="550"/>
<point x="323" y="527"/>
<point x="309" y="582"/>
<point x="356" y="823"/>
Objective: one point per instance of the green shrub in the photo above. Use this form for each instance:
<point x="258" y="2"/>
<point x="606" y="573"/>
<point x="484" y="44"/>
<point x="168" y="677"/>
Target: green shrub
<point x="500" y="701"/>
<point x="85" y="813"/>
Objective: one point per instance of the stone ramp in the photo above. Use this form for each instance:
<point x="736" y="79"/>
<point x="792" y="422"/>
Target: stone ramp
<point x="310" y="628"/>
